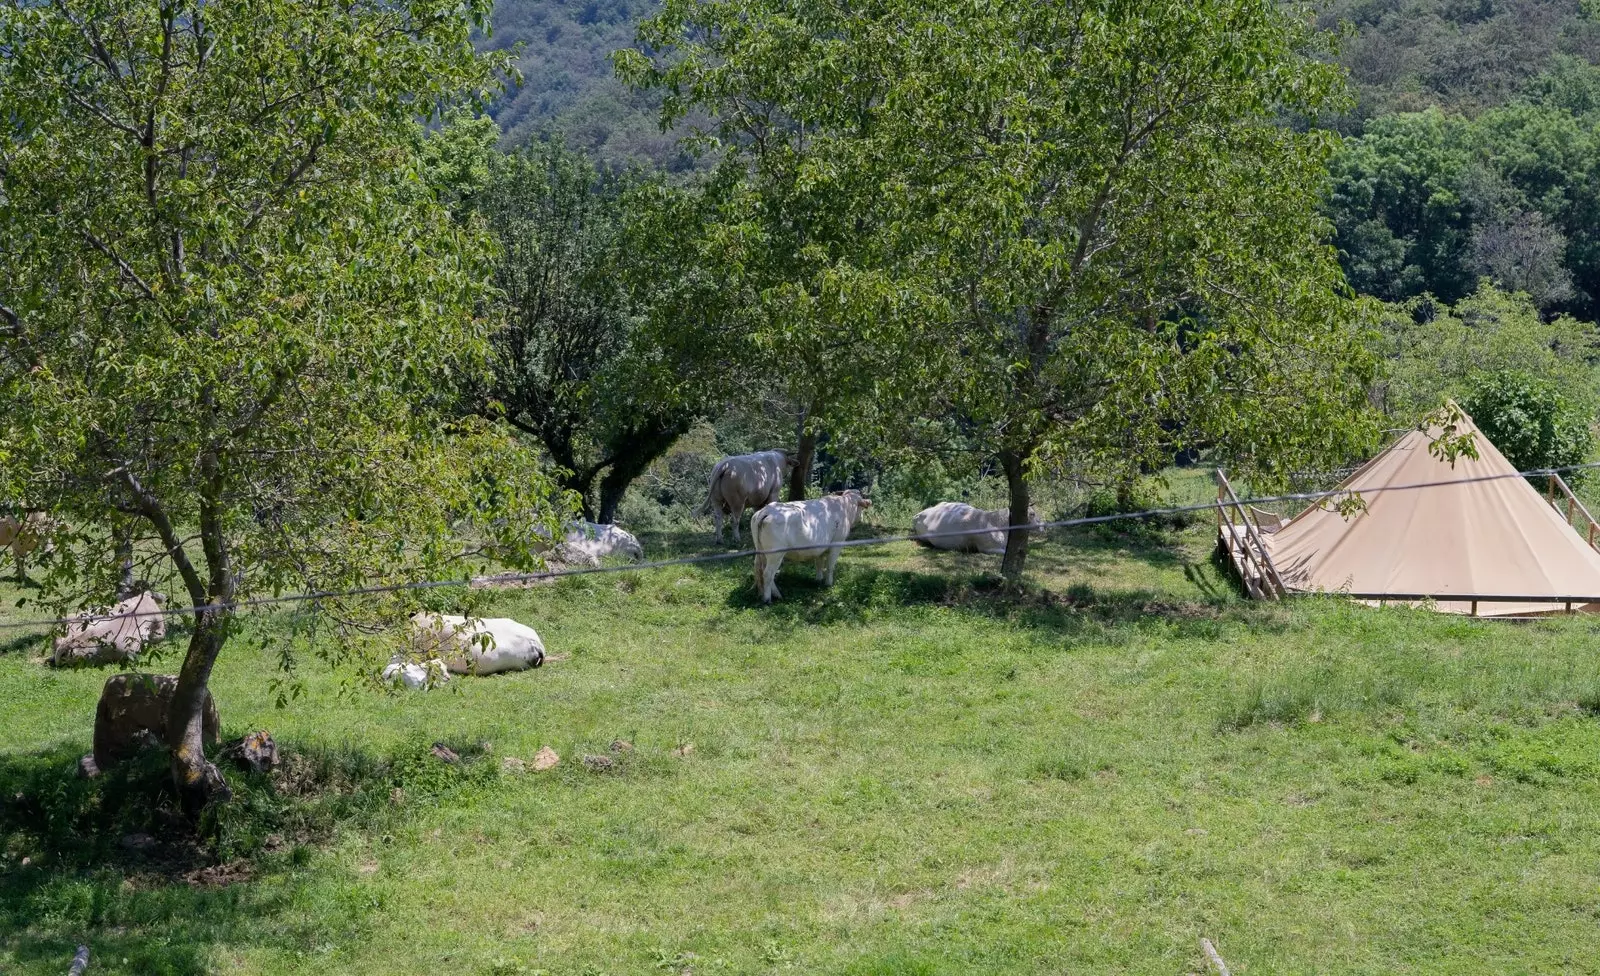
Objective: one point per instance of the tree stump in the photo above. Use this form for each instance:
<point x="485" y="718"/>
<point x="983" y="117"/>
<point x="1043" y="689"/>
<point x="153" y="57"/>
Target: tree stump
<point x="256" y="752"/>
<point x="132" y="715"/>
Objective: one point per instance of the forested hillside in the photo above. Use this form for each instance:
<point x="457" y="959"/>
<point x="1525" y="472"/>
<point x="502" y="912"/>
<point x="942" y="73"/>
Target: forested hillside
<point x="1405" y="55"/>
<point x="1458" y="55"/>
<point x="568" y="85"/>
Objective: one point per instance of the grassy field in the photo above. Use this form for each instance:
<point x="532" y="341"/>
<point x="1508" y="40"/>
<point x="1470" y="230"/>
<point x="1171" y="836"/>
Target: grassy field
<point x="907" y="774"/>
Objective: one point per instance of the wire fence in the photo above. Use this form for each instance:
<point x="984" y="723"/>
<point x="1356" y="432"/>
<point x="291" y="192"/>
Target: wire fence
<point x="506" y="579"/>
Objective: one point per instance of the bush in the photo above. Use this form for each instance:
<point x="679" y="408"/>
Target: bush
<point x="1530" y="421"/>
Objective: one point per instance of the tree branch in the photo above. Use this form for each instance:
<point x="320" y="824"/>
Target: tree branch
<point x="127" y="270"/>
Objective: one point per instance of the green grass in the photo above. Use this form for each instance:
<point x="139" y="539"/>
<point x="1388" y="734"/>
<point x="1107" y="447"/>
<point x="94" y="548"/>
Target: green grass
<point x="907" y="774"/>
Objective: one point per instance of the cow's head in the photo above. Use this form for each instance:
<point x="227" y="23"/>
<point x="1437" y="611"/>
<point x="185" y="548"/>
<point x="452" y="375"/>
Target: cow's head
<point x="856" y="502"/>
<point x="789" y="461"/>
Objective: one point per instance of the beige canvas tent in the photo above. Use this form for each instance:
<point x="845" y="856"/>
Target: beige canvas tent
<point x="1467" y="544"/>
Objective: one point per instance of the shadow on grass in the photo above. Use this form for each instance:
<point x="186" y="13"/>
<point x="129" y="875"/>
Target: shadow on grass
<point x="112" y="864"/>
<point x="12" y="642"/>
<point x="863" y="592"/>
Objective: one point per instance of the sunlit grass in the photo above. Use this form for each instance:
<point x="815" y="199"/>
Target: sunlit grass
<point x="913" y="772"/>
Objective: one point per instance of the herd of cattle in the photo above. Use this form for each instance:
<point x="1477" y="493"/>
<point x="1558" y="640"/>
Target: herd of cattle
<point x="802" y="531"/>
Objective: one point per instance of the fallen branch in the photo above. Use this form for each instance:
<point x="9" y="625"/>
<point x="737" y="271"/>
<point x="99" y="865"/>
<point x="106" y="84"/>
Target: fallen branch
<point x="1213" y="958"/>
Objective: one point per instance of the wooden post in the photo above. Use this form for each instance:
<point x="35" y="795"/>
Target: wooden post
<point x="1570" y="500"/>
<point x="1474" y="608"/>
<point x="1591" y="535"/>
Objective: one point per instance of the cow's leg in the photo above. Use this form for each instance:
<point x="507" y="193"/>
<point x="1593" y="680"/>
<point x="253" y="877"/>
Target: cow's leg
<point x="716" y="519"/>
<point x="738" y="516"/>
<point x="769" y="577"/>
<point x="833" y="560"/>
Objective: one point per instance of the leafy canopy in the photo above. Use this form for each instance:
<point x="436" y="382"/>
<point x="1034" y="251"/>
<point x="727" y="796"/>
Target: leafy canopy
<point x="1079" y="227"/>
<point x="235" y="316"/>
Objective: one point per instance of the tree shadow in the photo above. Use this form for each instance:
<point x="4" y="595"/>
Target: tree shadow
<point x="112" y="863"/>
<point x="861" y="593"/>
<point x="24" y="643"/>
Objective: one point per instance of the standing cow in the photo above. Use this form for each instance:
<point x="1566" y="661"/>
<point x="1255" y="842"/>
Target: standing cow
<point x="745" y="481"/>
<point x="807" y="531"/>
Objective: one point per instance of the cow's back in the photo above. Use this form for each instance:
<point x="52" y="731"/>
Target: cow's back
<point x="784" y="525"/>
<point x="747" y="478"/>
<point x="959" y="526"/>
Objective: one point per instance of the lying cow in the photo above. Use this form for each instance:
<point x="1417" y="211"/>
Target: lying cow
<point x="808" y="530"/>
<point x="589" y="542"/>
<point x="119" y="634"/>
<point x="745" y="481"/>
<point x="486" y="645"/>
<point x="415" y="675"/>
<point x="961" y="528"/>
<point x="23" y="536"/>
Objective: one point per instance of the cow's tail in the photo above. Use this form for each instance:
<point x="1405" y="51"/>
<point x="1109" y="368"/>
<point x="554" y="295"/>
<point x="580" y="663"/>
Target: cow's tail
<point x="758" y="522"/>
<point x="711" y="487"/>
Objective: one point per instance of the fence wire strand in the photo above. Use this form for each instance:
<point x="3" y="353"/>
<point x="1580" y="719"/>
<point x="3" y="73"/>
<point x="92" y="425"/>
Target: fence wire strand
<point x="505" y="579"/>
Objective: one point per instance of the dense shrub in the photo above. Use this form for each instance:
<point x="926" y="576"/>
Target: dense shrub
<point x="1530" y="421"/>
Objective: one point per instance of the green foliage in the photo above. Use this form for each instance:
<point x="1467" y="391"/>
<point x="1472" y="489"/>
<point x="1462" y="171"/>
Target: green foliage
<point x="1433" y="352"/>
<point x="1431" y="202"/>
<point x="568" y="90"/>
<point x="235" y="308"/>
<point x="1530" y="421"/>
<point x="1458" y="55"/>
<point x="1057" y="257"/>
<point x="611" y="347"/>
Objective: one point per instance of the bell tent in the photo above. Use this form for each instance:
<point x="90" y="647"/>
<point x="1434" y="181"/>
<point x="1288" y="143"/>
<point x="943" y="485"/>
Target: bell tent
<point x="1479" y="540"/>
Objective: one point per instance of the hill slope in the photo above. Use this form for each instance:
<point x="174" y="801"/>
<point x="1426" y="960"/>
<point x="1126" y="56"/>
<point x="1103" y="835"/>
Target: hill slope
<point x="568" y="85"/>
<point x="1406" y="55"/>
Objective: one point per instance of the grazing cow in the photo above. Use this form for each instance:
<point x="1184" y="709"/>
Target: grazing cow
<point x="590" y="542"/>
<point x="980" y="530"/>
<point x="810" y="529"/>
<point x="745" y="481"/>
<point x="476" y="645"/>
<point x="23" y="536"/>
<point x="119" y="634"/>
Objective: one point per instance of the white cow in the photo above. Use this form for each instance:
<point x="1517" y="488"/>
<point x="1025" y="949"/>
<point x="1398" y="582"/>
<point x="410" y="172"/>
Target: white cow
<point x="590" y="542"/>
<point x="809" y="529"/>
<point x="22" y="536"/>
<point x="415" y="675"/>
<point x="745" y="481"/>
<point x="477" y="645"/>
<point x="119" y="634"/>
<point x="981" y="530"/>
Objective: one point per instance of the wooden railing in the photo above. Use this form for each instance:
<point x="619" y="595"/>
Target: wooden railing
<point x="1558" y="486"/>
<point x="1249" y="553"/>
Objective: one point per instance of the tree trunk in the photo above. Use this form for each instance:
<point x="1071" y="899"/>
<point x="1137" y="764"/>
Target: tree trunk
<point x="1016" y="557"/>
<point x="197" y="780"/>
<point x="124" y="563"/>
<point x="635" y="451"/>
<point x="805" y="455"/>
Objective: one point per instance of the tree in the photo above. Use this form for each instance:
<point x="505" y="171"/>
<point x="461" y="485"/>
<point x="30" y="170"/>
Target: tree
<point x="1432" y="352"/>
<point x="618" y="333"/>
<point x="234" y="314"/>
<point x="1092" y="207"/>
<point x="1431" y="202"/>
<point x="1532" y="423"/>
